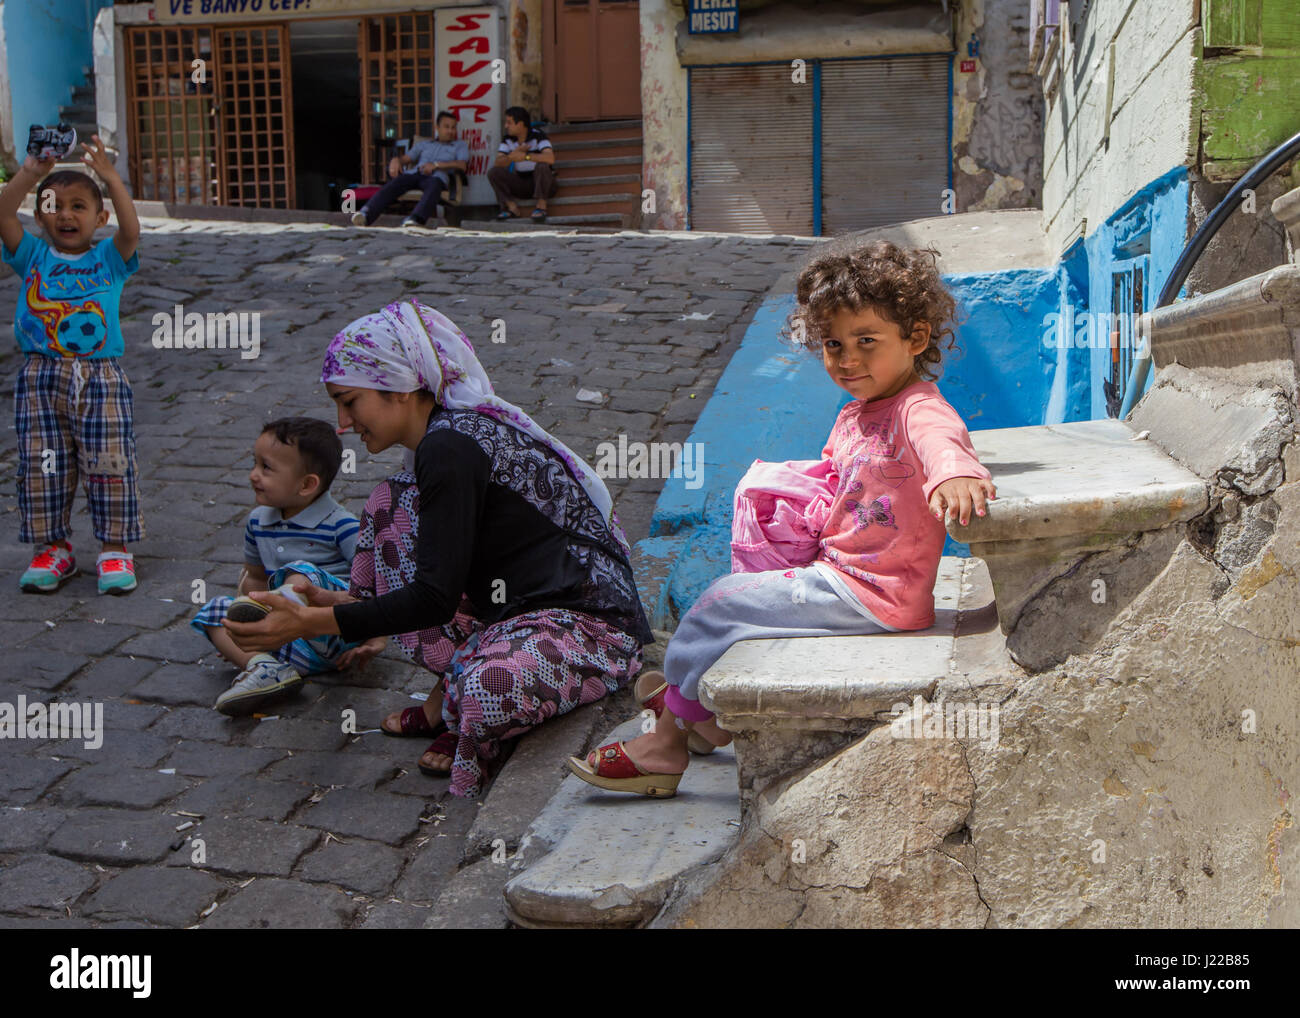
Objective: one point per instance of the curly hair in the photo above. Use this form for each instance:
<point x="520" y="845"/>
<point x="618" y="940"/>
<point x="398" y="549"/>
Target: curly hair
<point x="902" y="285"/>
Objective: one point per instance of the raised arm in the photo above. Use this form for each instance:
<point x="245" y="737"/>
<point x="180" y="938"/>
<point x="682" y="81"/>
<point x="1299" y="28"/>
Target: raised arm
<point x="28" y="176"/>
<point x="127" y="237"/>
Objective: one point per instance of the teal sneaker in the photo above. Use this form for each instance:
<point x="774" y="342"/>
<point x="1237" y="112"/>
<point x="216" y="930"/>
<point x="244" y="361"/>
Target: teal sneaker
<point x="116" y="572"/>
<point x="263" y="680"/>
<point x="51" y="568"/>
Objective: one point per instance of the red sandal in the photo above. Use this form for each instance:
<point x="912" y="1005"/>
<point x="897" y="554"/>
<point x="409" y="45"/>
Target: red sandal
<point x="649" y="691"/>
<point x="443" y="745"/>
<point x="413" y="722"/>
<point x="616" y="771"/>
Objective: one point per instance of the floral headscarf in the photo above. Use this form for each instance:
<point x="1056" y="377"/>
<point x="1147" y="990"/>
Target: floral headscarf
<point x="408" y="346"/>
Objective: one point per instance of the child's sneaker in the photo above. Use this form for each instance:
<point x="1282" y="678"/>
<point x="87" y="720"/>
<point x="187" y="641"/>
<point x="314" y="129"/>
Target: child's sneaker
<point x="245" y="609"/>
<point x="116" y="572"/>
<point x="263" y="680"/>
<point x="51" y="567"/>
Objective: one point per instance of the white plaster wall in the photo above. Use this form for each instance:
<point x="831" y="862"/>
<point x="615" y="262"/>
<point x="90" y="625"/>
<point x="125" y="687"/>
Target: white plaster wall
<point x="8" y="151"/>
<point x="663" y="110"/>
<point x="1151" y="123"/>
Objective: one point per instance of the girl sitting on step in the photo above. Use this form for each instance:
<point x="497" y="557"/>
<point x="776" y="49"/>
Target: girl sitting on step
<point x="904" y="464"/>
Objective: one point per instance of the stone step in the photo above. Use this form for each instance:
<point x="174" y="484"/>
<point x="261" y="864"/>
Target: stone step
<point x="596" y="163"/>
<point x="592" y="127"/>
<point x="1286" y="210"/>
<point x="625" y="183"/>
<point x="1247" y="333"/>
<point x="606" y="859"/>
<point x="1084" y="477"/>
<point x="792" y="701"/>
<point x="1099" y="493"/>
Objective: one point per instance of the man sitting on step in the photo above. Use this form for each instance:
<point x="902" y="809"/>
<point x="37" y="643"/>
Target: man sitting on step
<point x="435" y="163"/>
<point x="525" y="167"/>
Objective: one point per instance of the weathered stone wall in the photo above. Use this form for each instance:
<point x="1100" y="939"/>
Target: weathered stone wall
<point x="997" y="111"/>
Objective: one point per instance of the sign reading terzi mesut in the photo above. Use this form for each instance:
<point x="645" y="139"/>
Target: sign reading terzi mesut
<point x="469" y="78"/>
<point x="210" y="11"/>
<point x="707" y="16"/>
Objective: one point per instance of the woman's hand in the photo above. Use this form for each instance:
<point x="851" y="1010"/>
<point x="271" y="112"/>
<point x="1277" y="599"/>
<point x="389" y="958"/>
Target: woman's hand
<point x="956" y="496"/>
<point x="359" y="656"/>
<point x="286" y="623"/>
<point x="319" y="597"/>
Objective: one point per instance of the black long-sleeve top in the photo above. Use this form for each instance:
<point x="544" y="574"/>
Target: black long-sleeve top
<point x="503" y="522"/>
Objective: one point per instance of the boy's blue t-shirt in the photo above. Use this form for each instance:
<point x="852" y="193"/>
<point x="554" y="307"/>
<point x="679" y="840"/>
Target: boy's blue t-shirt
<point x="69" y="305"/>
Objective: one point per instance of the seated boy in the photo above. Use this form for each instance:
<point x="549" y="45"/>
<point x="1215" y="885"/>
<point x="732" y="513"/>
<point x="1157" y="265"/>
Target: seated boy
<point x="297" y="530"/>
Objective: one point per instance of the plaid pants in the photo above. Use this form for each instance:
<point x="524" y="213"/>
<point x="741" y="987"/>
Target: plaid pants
<point x="74" y="419"/>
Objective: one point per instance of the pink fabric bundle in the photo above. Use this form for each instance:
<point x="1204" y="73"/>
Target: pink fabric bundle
<point x="779" y="512"/>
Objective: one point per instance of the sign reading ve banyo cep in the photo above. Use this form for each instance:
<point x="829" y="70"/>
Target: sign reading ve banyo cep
<point x="211" y="11"/>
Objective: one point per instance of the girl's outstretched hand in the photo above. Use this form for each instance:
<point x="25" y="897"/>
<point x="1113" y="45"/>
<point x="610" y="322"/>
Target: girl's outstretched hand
<point x="957" y="495"/>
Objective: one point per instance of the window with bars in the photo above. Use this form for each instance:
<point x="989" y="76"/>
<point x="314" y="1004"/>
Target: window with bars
<point x="219" y="132"/>
<point x="397" y="93"/>
<point x="1127" y="303"/>
<point x="170" y="117"/>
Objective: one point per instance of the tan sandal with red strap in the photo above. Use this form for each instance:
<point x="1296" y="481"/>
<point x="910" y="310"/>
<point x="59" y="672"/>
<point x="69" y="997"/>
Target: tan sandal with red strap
<point x="649" y="691"/>
<point x="614" y="770"/>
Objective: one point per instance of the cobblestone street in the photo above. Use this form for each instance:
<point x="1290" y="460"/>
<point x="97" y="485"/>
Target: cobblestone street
<point x="300" y="822"/>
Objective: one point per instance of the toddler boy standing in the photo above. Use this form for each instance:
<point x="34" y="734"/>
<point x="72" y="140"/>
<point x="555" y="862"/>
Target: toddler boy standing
<point x="73" y="402"/>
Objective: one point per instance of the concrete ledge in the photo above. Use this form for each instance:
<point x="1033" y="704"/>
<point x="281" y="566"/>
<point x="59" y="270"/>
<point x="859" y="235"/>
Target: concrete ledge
<point x="1286" y="210"/>
<point x="1081" y="478"/>
<point x="1248" y="333"/>
<point x="792" y="703"/>
<point x="833" y="683"/>
<point x="604" y="859"/>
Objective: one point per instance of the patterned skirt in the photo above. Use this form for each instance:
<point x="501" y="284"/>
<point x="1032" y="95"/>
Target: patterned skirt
<point x="498" y="680"/>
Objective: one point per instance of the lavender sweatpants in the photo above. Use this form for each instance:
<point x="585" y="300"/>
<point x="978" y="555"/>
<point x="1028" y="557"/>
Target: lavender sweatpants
<point x="756" y="606"/>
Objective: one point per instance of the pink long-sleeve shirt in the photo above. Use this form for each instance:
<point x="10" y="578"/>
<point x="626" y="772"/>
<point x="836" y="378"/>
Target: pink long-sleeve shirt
<point x="890" y="455"/>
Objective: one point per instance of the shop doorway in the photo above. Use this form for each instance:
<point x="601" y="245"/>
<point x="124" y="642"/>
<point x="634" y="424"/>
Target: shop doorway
<point x="326" y="110"/>
<point x="592" y="60"/>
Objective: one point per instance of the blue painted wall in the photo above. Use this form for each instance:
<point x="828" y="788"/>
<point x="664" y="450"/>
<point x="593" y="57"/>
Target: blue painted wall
<point x="48" y="43"/>
<point x="1150" y="228"/>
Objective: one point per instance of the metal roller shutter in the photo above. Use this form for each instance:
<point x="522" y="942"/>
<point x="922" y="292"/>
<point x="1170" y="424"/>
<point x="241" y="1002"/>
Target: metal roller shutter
<point x="751" y="150"/>
<point x="885" y="148"/>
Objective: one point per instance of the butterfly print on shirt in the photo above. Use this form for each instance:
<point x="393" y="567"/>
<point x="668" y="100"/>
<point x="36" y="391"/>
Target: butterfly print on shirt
<point x="880" y="512"/>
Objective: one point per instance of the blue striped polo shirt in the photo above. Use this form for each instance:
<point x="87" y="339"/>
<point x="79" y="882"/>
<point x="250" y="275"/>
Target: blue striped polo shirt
<point x="324" y="534"/>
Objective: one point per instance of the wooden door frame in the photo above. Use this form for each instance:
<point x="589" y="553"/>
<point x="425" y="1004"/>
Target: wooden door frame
<point x="550" y="81"/>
